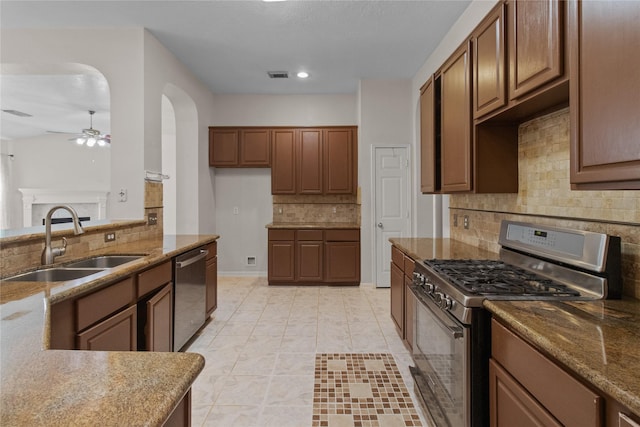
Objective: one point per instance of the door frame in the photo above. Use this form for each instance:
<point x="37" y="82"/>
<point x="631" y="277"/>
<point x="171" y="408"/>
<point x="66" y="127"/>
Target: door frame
<point x="372" y="229"/>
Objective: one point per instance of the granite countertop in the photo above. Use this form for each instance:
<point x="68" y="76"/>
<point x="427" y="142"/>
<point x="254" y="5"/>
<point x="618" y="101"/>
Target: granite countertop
<point x="67" y="387"/>
<point x="322" y="225"/>
<point x="420" y="248"/>
<point x="598" y="340"/>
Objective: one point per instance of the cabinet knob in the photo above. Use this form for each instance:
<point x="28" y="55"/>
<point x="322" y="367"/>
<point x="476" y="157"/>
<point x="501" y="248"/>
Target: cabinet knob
<point x="380" y="225"/>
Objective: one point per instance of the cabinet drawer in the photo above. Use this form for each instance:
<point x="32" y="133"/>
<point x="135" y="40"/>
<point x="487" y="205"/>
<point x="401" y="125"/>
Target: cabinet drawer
<point x="397" y="257"/>
<point x="309" y="234"/>
<point x="102" y="303"/>
<point x="154" y="278"/>
<point x="571" y="402"/>
<point x="282" y="234"/>
<point x="409" y="265"/>
<point x="342" y="235"/>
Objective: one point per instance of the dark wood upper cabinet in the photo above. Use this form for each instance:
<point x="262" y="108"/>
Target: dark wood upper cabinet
<point x="340" y="161"/>
<point x="605" y="95"/>
<point x="535" y="44"/>
<point x="429" y="152"/>
<point x="255" y="150"/>
<point x="223" y="147"/>
<point x="283" y="161"/>
<point x="489" y="89"/>
<point x="239" y="147"/>
<point x="456" y="121"/>
<point x="310" y="160"/>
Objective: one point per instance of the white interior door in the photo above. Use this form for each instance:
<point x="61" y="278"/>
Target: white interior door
<point x="392" y="205"/>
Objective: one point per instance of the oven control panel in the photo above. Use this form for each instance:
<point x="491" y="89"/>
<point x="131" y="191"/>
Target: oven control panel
<point x="580" y="248"/>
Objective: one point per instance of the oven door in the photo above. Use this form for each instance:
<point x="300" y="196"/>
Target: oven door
<point x="441" y="355"/>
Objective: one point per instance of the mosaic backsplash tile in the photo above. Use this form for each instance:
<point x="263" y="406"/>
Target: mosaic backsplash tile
<point x="545" y="197"/>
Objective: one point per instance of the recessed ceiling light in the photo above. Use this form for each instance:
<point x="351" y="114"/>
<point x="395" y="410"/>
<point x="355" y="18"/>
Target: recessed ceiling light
<point x="303" y="74"/>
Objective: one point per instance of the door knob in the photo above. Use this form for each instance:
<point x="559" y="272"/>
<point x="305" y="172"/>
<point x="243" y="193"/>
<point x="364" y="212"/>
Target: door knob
<point x="380" y="225"/>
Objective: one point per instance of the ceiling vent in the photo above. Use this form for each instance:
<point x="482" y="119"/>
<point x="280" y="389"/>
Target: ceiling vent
<point x="278" y="74"/>
<point x="17" y="113"/>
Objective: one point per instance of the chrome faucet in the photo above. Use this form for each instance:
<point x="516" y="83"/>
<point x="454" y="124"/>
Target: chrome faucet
<point x="49" y="254"/>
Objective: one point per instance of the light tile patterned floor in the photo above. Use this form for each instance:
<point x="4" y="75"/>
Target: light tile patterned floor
<point x="261" y="346"/>
<point x="362" y="390"/>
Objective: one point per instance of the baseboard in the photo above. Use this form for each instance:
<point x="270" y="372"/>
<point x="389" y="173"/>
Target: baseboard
<point x="242" y="273"/>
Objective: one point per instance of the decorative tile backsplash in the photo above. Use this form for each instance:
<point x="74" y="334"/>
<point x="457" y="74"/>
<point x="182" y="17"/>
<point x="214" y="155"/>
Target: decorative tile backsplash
<point x="310" y="208"/>
<point x="545" y="197"/>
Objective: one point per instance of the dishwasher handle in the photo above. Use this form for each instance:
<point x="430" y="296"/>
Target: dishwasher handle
<point x="203" y="254"/>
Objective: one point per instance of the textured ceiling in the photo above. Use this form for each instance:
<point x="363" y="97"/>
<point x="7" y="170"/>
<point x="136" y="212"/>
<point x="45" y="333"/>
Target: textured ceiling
<point x="230" y="45"/>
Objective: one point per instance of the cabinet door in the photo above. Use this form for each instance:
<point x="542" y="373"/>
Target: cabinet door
<point x="181" y="415"/>
<point x="429" y="145"/>
<point x="339" y="159"/>
<point x="283" y="161"/>
<point x="159" y="327"/>
<point x="511" y="405"/>
<point x="310" y="161"/>
<point x="605" y="95"/>
<point x="489" y="87"/>
<point x="281" y="261"/>
<point x="456" y="122"/>
<point x="397" y="298"/>
<point x="211" y="278"/>
<point x="309" y="260"/>
<point x="535" y="44"/>
<point x="255" y="150"/>
<point x="117" y="333"/>
<point x="409" y="306"/>
<point x="342" y="262"/>
<point x="223" y="147"/>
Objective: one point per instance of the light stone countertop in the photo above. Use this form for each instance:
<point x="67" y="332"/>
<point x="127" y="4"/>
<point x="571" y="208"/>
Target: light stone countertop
<point x="598" y="340"/>
<point x="421" y="248"/>
<point x="62" y="387"/>
<point x="319" y="225"/>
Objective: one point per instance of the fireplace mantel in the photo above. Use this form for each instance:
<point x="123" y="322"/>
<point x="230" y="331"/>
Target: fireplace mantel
<point x="48" y="196"/>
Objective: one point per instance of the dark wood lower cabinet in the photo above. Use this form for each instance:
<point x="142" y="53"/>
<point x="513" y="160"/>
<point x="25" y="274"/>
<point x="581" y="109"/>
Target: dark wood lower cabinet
<point x="181" y="416"/>
<point x="314" y="256"/>
<point x="512" y="405"/>
<point x="409" y="310"/>
<point x="397" y="297"/>
<point x="117" y="333"/>
<point x="159" y="321"/>
<point x="211" y="279"/>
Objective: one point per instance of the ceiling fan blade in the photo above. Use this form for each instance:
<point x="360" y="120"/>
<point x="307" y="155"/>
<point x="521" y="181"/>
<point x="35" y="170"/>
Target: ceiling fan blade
<point x="65" y="133"/>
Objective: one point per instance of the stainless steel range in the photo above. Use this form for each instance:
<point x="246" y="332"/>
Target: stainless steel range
<point x="452" y="339"/>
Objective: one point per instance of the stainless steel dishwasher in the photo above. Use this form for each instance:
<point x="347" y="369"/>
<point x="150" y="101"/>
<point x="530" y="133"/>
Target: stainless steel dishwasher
<point x="190" y="295"/>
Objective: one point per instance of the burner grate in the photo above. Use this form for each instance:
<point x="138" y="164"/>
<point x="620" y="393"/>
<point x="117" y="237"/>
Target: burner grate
<point x="491" y="277"/>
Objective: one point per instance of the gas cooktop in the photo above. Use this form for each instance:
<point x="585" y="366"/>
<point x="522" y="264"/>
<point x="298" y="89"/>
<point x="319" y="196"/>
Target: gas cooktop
<point x="490" y="277"/>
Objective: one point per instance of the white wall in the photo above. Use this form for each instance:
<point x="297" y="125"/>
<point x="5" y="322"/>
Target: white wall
<point x="245" y="234"/>
<point x="138" y="69"/>
<point x="384" y="119"/>
<point x="438" y="206"/>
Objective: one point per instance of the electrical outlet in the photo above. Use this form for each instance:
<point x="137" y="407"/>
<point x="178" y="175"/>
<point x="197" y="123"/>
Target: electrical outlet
<point x="335" y="209"/>
<point x="122" y="195"/>
<point x="152" y="218"/>
<point x="466" y="222"/>
<point x="455" y="220"/>
<point x="110" y="237"/>
<point x="280" y="210"/>
<point x="236" y="211"/>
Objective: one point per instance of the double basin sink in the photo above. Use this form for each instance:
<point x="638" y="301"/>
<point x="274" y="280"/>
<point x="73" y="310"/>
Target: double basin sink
<point x="74" y="270"/>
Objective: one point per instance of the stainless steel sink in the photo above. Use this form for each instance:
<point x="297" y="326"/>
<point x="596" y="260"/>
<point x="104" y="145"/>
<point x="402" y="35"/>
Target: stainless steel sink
<point x="106" y="261"/>
<point x="54" y="275"/>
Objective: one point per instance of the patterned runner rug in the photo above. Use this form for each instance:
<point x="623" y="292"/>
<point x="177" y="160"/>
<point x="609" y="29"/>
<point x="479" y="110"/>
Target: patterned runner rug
<point x="361" y="390"/>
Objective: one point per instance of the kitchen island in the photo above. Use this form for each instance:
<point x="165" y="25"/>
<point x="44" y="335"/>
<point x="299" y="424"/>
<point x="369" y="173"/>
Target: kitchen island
<point x="67" y="387"/>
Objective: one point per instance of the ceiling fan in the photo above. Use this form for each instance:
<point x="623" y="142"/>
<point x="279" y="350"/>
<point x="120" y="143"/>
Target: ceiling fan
<point x="90" y="136"/>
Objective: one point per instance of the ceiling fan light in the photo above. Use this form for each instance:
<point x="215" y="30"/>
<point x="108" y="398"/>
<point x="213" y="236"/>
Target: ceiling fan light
<point x="79" y="141"/>
<point x="102" y="142"/>
<point x="91" y="142"/>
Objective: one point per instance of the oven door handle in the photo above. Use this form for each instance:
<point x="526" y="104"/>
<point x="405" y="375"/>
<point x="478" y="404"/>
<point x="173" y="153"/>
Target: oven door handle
<point x="454" y="330"/>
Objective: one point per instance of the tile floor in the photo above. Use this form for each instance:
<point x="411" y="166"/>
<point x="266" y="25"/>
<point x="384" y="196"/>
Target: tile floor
<point x="261" y="343"/>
